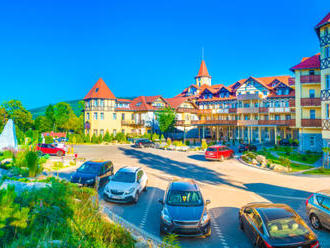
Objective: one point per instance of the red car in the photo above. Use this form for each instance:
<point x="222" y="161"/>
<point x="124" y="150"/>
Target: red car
<point x="218" y="153"/>
<point x="50" y="149"/>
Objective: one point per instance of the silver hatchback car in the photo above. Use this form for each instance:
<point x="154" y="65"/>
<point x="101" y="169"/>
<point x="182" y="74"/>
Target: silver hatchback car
<point x="318" y="209"/>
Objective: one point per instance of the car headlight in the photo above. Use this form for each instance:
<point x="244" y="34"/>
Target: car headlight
<point x="205" y="218"/>
<point x="166" y="218"/>
<point x="130" y="191"/>
<point x="90" y="181"/>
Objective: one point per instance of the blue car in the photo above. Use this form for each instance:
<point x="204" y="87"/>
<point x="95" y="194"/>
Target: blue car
<point x="87" y="173"/>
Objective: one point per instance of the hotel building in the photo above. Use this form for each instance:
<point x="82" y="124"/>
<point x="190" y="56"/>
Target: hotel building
<point x="255" y="109"/>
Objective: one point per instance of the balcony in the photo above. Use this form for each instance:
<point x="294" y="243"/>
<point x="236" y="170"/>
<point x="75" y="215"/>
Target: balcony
<point x="278" y="122"/>
<point x="292" y="103"/>
<point x="325" y="95"/>
<point x="279" y="110"/>
<point x="205" y="111"/>
<point x="310" y="102"/>
<point x="99" y="108"/>
<point x="214" y="122"/>
<point x="247" y="122"/>
<point x="263" y="110"/>
<point x="221" y="111"/>
<point x="310" y="79"/>
<point x="254" y="96"/>
<point x="233" y="110"/>
<point x="132" y="123"/>
<point x="311" y="122"/>
<point x="187" y="110"/>
<point x="247" y="110"/>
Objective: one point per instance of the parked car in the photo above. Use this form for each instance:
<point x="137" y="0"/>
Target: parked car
<point x="218" y="153"/>
<point x="318" y="209"/>
<point x="270" y="225"/>
<point x="284" y="142"/>
<point x="184" y="210"/>
<point x="87" y="173"/>
<point x="140" y="143"/>
<point x="61" y="146"/>
<point x="126" y="185"/>
<point x="247" y="147"/>
<point x="50" y="149"/>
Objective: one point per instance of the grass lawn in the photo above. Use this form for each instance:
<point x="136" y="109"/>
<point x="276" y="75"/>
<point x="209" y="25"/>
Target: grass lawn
<point x="299" y="167"/>
<point x="319" y="171"/>
<point x="308" y="158"/>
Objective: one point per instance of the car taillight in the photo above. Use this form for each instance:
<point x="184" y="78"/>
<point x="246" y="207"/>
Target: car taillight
<point x="308" y="199"/>
<point x="316" y="245"/>
<point x="268" y="245"/>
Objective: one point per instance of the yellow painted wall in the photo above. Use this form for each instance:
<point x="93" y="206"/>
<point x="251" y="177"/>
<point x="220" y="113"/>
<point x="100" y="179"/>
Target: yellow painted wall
<point x="306" y="113"/>
<point x="305" y="90"/>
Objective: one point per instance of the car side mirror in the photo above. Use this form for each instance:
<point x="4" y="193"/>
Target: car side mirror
<point x="161" y="201"/>
<point x="207" y="202"/>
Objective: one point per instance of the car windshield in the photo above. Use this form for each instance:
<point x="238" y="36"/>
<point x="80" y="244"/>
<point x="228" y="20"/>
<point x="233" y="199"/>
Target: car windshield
<point x="286" y="228"/>
<point x="184" y="198"/>
<point x="211" y="149"/>
<point x="89" y="167"/>
<point x="124" y="177"/>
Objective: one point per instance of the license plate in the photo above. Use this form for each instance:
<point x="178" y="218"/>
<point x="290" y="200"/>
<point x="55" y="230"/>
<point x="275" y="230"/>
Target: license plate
<point x="116" y="197"/>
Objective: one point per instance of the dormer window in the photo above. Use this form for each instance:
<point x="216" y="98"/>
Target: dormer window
<point x="138" y="104"/>
<point x="97" y="89"/>
<point x="311" y="72"/>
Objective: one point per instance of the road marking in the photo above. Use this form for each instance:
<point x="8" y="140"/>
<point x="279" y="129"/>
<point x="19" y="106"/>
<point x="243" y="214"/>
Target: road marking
<point x="218" y="231"/>
<point x="146" y="211"/>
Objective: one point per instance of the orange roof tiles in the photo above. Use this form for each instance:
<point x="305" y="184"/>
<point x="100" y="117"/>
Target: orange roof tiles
<point x="312" y="62"/>
<point x="203" y="70"/>
<point x="175" y="102"/>
<point x="100" y="90"/>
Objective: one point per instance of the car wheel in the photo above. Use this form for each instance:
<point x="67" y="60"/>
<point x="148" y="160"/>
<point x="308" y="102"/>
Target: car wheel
<point x="136" y="197"/>
<point x="59" y="153"/>
<point x="316" y="224"/>
<point x="146" y="187"/>
<point x="208" y="233"/>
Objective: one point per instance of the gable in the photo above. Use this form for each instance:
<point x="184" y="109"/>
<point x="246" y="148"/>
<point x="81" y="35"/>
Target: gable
<point x="251" y="86"/>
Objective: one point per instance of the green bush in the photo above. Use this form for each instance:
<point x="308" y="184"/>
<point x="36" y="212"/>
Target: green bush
<point x="204" y="144"/>
<point x="100" y="139"/>
<point x="187" y="143"/>
<point x="120" y="137"/>
<point x="87" y="138"/>
<point x="94" y="139"/>
<point x="107" y="137"/>
<point x="155" y="137"/>
<point x="32" y="163"/>
<point x="169" y="141"/>
<point x="162" y="138"/>
<point x="177" y="143"/>
<point x="49" y="140"/>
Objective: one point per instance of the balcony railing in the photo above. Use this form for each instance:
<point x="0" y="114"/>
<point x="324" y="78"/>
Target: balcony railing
<point x="205" y="111"/>
<point x="220" y="111"/>
<point x="233" y="110"/>
<point x="132" y="123"/>
<point x="311" y="122"/>
<point x="247" y="110"/>
<point x="310" y="102"/>
<point x="310" y="79"/>
<point x="99" y="108"/>
<point x="292" y="103"/>
<point x="247" y="122"/>
<point x="254" y="96"/>
<point x="279" y="110"/>
<point x="187" y="110"/>
<point x="278" y="122"/>
<point x="326" y="124"/>
<point x="325" y="95"/>
<point x="214" y="122"/>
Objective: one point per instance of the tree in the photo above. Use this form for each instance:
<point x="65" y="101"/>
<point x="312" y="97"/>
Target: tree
<point x="107" y="137"/>
<point x="50" y="115"/>
<point x="94" y="139"/>
<point x="49" y="140"/>
<point x="62" y="114"/>
<point x="166" y="119"/>
<point x="3" y="117"/>
<point x="21" y="117"/>
<point x="43" y="124"/>
<point x="285" y="162"/>
<point x="155" y="137"/>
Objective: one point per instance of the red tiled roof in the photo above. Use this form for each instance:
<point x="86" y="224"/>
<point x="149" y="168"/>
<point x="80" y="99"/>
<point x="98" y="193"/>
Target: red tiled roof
<point x="217" y="99"/>
<point x="52" y="134"/>
<point x="100" y="90"/>
<point x="324" y="21"/>
<point x="273" y="95"/>
<point x="123" y="100"/>
<point x="309" y="63"/>
<point x="203" y="70"/>
<point x="144" y="103"/>
<point x="175" y="102"/>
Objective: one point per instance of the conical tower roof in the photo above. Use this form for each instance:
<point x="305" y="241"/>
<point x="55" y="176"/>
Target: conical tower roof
<point x="100" y="90"/>
<point x="203" y="71"/>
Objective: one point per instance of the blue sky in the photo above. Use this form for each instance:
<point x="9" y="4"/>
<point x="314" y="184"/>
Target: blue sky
<point x="54" y="51"/>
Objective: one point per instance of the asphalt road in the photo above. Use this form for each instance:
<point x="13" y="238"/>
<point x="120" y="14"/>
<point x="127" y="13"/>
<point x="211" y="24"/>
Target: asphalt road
<point x="229" y="185"/>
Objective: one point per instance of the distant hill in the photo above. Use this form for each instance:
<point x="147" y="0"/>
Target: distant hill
<point x="74" y="105"/>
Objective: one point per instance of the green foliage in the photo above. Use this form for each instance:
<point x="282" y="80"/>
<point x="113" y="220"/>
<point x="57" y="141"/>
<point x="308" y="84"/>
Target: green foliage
<point x="177" y="143"/>
<point x="94" y="139"/>
<point x="166" y="119"/>
<point x="162" y="138"/>
<point x="15" y="110"/>
<point x="170" y="241"/>
<point x="169" y="141"/>
<point x="155" y="137"/>
<point x="49" y="140"/>
<point x="285" y="162"/>
<point x="204" y="144"/>
<point x="87" y="138"/>
<point x="62" y="212"/>
<point x="42" y="124"/>
<point x="107" y="137"/>
<point x="100" y="139"/>
<point x="120" y="137"/>
<point x="31" y="158"/>
<point x="187" y="143"/>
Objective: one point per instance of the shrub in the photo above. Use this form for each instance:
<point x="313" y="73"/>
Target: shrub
<point x="94" y="139"/>
<point x="155" y="137"/>
<point x="32" y="163"/>
<point x="87" y="138"/>
<point x="100" y="139"/>
<point x="107" y="137"/>
<point x="187" y="143"/>
<point x="120" y="137"/>
<point x="177" y="143"/>
<point x="162" y="138"/>
<point x="49" y="140"/>
<point x="204" y="144"/>
<point x="169" y="141"/>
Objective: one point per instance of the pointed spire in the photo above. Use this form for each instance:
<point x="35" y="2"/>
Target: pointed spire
<point x="100" y="90"/>
<point x="203" y="71"/>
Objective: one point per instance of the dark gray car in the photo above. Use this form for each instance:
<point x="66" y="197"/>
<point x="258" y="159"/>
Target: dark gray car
<point x="318" y="209"/>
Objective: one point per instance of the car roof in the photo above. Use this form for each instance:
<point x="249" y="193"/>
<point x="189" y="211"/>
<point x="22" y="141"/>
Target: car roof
<point x="324" y="192"/>
<point x="184" y="185"/>
<point x="98" y="161"/>
<point x="129" y="169"/>
<point x="217" y="146"/>
<point x="271" y="211"/>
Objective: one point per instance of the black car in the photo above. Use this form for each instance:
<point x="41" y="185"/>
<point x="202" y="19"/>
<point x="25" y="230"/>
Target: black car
<point x="284" y="142"/>
<point x="270" y="225"/>
<point x="140" y="143"/>
<point x="87" y="173"/>
<point x="247" y="147"/>
<point x="184" y="211"/>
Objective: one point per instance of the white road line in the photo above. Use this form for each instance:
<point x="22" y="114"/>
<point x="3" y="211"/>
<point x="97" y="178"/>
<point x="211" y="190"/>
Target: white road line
<point x="218" y="231"/>
<point x="146" y="211"/>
